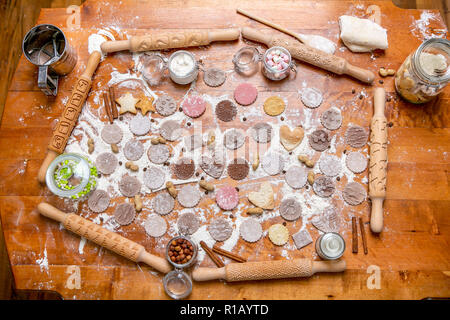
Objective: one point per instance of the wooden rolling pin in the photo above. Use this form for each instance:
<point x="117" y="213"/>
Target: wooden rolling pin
<point x="70" y="114"/>
<point x="378" y="160"/>
<point x="105" y="238"/>
<point x="311" y="55"/>
<point x="264" y="270"/>
<point x="169" y="40"/>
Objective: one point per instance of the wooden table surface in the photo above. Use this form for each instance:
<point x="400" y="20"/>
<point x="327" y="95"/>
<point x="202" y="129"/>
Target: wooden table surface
<point x="412" y="252"/>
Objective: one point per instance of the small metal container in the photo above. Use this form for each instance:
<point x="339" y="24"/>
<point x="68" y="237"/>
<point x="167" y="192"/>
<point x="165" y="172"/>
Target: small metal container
<point x="187" y="76"/>
<point x="330" y="246"/>
<point x="246" y="61"/>
<point x="46" y="46"/>
<point x="177" y="283"/>
<point x="273" y="73"/>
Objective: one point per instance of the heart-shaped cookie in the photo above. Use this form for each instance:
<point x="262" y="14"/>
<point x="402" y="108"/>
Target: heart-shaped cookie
<point x="290" y="139"/>
<point x="212" y="166"/>
<point x="263" y="198"/>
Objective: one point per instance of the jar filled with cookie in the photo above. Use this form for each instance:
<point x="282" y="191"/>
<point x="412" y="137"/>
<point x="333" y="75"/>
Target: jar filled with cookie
<point x="425" y="72"/>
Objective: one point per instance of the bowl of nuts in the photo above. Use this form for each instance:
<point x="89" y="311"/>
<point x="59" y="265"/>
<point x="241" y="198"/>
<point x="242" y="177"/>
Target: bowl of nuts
<point x="181" y="252"/>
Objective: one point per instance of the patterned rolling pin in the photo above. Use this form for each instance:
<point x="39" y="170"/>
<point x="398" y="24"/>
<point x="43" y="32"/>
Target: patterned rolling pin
<point x="378" y="160"/>
<point x="105" y="238"/>
<point x="169" y="40"/>
<point x="264" y="270"/>
<point x="70" y="114"/>
<point x="311" y="55"/>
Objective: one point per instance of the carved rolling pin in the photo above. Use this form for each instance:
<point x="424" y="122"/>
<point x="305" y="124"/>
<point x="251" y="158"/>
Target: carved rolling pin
<point x="378" y="160"/>
<point x="169" y="40"/>
<point x="311" y="55"/>
<point x="70" y="114"/>
<point x="264" y="270"/>
<point x="105" y="238"/>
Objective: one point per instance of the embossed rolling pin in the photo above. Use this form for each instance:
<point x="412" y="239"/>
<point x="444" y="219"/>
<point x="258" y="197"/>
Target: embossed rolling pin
<point x="378" y="160"/>
<point x="264" y="270"/>
<point x="311" y="55"/>
<point x="105" y="238"/>
<point x="169" y="40"/>
<point x="70" y="114"/>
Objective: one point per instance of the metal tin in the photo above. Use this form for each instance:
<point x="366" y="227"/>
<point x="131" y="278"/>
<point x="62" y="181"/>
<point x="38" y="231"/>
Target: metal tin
<point x="190" y="76"/>
<point x="330" y="246"/>
<point x="275" y="74"/>
<point x="246" y="60"/>
<point x="46" y="46"/>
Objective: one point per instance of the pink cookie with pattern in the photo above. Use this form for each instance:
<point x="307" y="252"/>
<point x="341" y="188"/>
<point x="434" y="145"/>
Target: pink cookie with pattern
<point x="194" y="106"/>
<point x="227" y="198"/>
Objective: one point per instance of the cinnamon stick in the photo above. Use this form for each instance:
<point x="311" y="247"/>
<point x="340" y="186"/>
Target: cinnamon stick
<point x="107" y="107"/>
<point x="112" y="96"/>
<point x="354" y="236"/>
<point x="227" y="254"/>
<point x="363" y="235"/>
<point x="212" y="255"/>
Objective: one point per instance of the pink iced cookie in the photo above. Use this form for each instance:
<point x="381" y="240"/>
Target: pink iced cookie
<point x="194" y="106"/>
<point x="245" y="94"/>
<point x="227" y="198"/>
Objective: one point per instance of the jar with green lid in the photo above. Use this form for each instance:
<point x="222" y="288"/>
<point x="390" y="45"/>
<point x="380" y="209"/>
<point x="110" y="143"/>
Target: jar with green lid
<point x="71" y="175"/>
<point x="425" y="72"/>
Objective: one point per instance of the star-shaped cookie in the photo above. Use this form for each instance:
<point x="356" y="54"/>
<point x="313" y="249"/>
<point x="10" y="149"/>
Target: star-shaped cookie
<point x="127" y="103"/>
<point x="146" y="105"/>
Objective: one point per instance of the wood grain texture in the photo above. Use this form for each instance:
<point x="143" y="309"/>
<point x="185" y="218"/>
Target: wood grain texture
<point x="412" y="252"/>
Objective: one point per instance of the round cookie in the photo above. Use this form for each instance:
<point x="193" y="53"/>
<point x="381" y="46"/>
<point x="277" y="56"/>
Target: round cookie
<point x="330" y="165"/>
<point x="354" y="193"/>
<point x="129" y="186"/>
<point x="262" y="132"/>
<point x="238" y="169"/>
<point x="356" y="136"/>
<point x="124" y="214"/>
<point x="188" y="223"/>
<point x="106" y="163"/>
<point x="140" y="125"/>
<point x="155" y="226"/>
<point x="296" y="177"/>
<point x="98" y="200"/>
<point x="250" y="230"/>
<point x="331" y="118"/>
<point x="319" y="140"/>
<point x="278" y="234"/>
<point x="158" y="153"/>
<point x="220" y="229"/>
<point x="272" y="163"/>
<point x="227" y="198"/>
<point x="327" y="221"/>
<point x="245" y="94"/>
<point x="133" y="150"/>
<point x="163" y="203"/>
<point x="214" y="77"/>
<point x="189" y="196"/>
<point x="274" y="106"/>
<point x="170" y="130"/>
<point x="194" y="106"/>
<point x="290" y="209"/>
<point x="311" y="97"/>
<point x="111" y="133"/>
<point x="323" y="186"/>
<point x="356" y="162"/>
<point x="184" y="168"/>
<point x="154" y="178"/>
<point x="233" y="139"/>
<point x="226" y="111"/>
<point x="165" y="105"/>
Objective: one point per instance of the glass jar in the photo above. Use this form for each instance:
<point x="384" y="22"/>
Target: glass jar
<point x="425" y="72"/>
<point x="277" y="63"/>
<point x="330" y="246"/>
<point x="71" y="175"/>
<point x="153" y="67"/>
<point x="246" y="61"/>
<point x="183" y="67"/>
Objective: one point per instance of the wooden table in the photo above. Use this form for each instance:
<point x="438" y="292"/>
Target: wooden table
<point x="412" y="253"/>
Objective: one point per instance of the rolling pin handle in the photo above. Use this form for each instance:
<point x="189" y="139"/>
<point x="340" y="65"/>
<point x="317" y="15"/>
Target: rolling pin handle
<point x="224" y="35"/>
<point x="208" y="274"/>
<point x="114" y="46"/>
<point x="51" y="212"/>
<point x="156" y="262"/>
<point x="361" y="74"/>
<point x="92" y="64"/>
<point x="51" y="155"/>
<point x="379" y="102"/>
<point x="329" y="266"/>
<point x="255" y="35"/>
<point x="376" y="215"/>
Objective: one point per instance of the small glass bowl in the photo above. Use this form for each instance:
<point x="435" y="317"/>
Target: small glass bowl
<point x="190" y="262"/>
<point x="153" y="68"/>
<point x="177" y="284"/>
<point x="246" y="60"/>
<point x="185" y="78"/>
